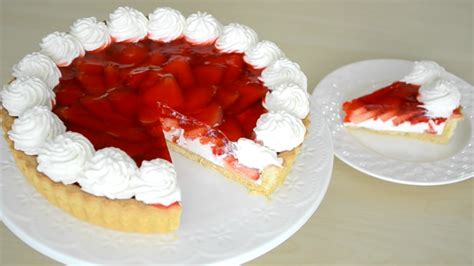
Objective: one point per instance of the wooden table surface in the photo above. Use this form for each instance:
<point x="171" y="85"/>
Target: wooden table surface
<point x="362" y="220"/>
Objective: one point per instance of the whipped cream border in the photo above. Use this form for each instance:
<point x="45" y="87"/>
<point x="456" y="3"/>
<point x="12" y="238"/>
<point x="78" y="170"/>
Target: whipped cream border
<point x="218" y="31"/>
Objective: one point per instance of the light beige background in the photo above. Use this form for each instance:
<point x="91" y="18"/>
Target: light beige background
<point x="362" y="220"/>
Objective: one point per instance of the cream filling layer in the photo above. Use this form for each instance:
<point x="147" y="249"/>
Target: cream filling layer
<point x="380" y="125"/>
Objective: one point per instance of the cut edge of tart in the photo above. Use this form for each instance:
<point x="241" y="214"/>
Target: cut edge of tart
<point x="424" y="105"/>
<point x="48" y="128"/>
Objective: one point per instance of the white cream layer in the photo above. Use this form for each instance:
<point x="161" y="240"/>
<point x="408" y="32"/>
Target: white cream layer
<point x="380" y="125"/>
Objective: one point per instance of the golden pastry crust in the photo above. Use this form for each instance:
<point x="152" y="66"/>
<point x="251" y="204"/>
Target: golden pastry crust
<point x="124" y="215"/>
<point x="439" y="139"/>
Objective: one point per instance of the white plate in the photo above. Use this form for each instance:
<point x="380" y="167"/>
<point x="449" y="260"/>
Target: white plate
<point x="390" y="158"/>
<point x="221" y="222"/>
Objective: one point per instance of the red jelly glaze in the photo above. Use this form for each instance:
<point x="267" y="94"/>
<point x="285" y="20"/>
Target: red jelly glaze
<point x="396" y="100"/>
<point x="120" y="96"/>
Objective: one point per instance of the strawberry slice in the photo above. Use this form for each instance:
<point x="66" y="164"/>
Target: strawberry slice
<point x="94" y="137"/>
<point x="149" y="114"/>
<point x="155" y="129"/>
<point x="101" y="108"/>
<point x="68" y="93"/>
<point x="133" y="77"/>
<point x="235" y="64"/>
<point x="249" y="95"/>
<point x="196" y="132"/>
<point x="131" y="148"/>
<point x="133" y="54"/>
<point x="406" y="116"/>
<point x="362" y="114"/>
<point x="152" y="78"/>
<point x="89" y="66"/>
<point x="156" y="58"/>
<point x="211" y="115"/>
<point x="387" y="115"/>
<point x="168" y="123"/>
<point x="180" y="68"/>
<point x="231" y="129"/>
<point x="198" y="97"/>
<point x="208" y="75"/>
<point x="112" y="76"/>
<point x="128" y="133"/>
<point x="248" y="119"/>
<point x="79" y="116"/>
<point x="226" y="97"/>
<point x="125" y="102"/>
<point x="166" y="91"/>
<point x="232" y="163"/>
<point x="92" y="84"/>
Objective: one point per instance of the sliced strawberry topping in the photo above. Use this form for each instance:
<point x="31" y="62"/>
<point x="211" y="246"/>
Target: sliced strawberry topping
<point x="232" y="129"/>
<point x="132" y="54"/>
<point x="92" y="84"/>
<point x="211" y="115"/>
<point x="227" y="96"/>
<point x="112" y="76"/>
<point x="68" y="93"/>
<point x="179" y="66"/>
<point x="89" y="66"/>
<point x="198" y="97"/>
<point x="196" y="132"/>
<point x="208" y="75"/>
<point x="125" y="102"/>
<point x="248" y="95"/>
<point x="156" y="58"/>
<point x="166" y="91"/>
<point x="248" y="119"/>
<point x="79" y="116"/>
<point x="149" y="114"/>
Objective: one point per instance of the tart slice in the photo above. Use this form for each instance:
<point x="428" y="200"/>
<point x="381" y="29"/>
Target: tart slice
<point x="91" y="118"/>
<point x="424" y="105"/>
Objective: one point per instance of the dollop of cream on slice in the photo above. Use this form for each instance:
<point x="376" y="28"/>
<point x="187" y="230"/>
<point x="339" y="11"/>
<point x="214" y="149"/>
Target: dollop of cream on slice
<point x="280" y="131"/>
<point x="202" y="28"/>
<point x="24" y="93"/>
<point x="127" y="24"/>
<point x="263" y="54"/>
<point x="236" y="38"/>
<point x="282" y="71"/>
<point x="254" y="155"/>
<point x="40" y="66"/>
<point x="424" y="71"/>
<point x="93" y="35"/>
<point x="157" y="183"/>
<point x="33" y="128"/>
<point x="165" y="24"/>
<point x="63" y="158"/>
<point x="288" y="97"/>
<point x="439" y="97"/>
<point x="62" y="47"/>
<point x="108" y="173"/>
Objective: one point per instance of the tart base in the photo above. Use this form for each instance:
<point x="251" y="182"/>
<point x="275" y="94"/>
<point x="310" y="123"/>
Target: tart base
<point x="123" y="215"/>
<point x="438" y="139"/>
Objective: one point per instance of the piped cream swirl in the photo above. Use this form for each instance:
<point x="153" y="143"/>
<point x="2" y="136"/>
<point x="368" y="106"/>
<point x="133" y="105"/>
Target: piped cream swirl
<point x="424" y="71"/>
<point x="283" y="71"/>
<point x="24" y="93"/>
<point x="263" y="54"/>
<point x="127" y="24"/>
<point x="108" y="173"/>
<point x="33" y="128"/>
<point x="254" y="155"/>
<point x="157" y="183"/>
<point x="63" y="158"/>
<point x="40" y="66"/>
<point x="288" y="97"/>
<point x="62" y="47"/>
<point x="280" y="131"/>
<point x="439" y="97"/>
<point x="202" y="28"/>
<point x="165" y="24"/>
<point x="236" y="38"/>
<point x="93" y="35"/>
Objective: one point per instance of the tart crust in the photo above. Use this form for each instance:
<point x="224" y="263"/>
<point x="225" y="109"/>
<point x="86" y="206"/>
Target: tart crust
<point x="131" y="215"/>
<point x="443" y="138"/>
<point x="127" y="215"/>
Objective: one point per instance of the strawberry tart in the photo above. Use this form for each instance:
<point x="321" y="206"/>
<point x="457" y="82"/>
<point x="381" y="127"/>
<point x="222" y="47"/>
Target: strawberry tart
<point x="425" y="105"/>
<point x="90" y="118"/>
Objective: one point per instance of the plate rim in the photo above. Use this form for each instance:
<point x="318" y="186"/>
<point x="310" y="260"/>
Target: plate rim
<point x="339" y="154"/>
